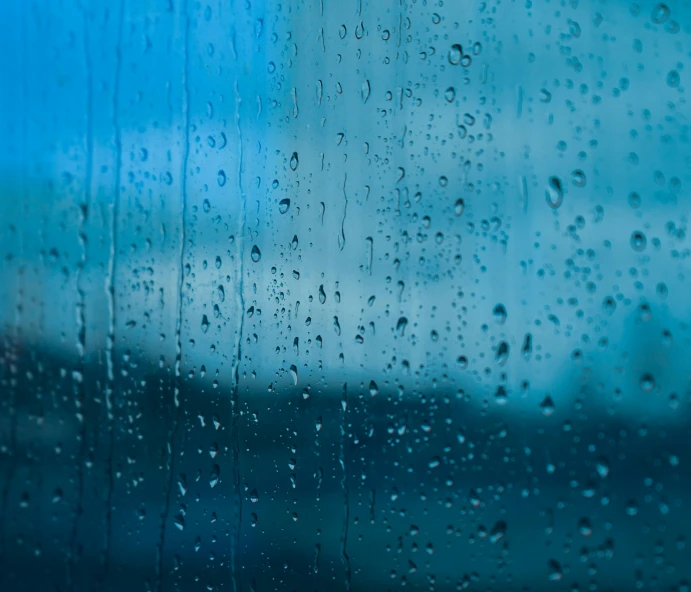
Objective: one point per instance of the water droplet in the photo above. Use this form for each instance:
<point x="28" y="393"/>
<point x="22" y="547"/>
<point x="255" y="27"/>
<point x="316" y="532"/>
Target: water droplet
<point x="631" y="508"/>
<point x="672" y="27"/>
<point x="498" y="532"/>
<point x="609" y="305"/>
<point x="584" y="527"/>
<point x="647" y="382"/>
<point x="602" y="467"/>
<point x="214" y="475"/>
<point x="547" y="406"/>
<point x="284" y="205"/>
<point x="373" y="388"/>
<point x="401" y="325"/>
<point x="221" y="178"/>
<point x="554" y="192"/>
<point x="502" y="353"/>
<point x="555" y="570"/>
<point x="660" y="14"/>
<point x="501" y="396"/>
<point x="644" y="312"/>
<point x="527" y="347"/>
<point x="578" y="178"/>
<point x="221" y="293"/>
<point x="450" y="94"/>
<point x="499" y="313"/>
<point x="322" y="294"/>
<point x="256" y="254"/>
<point x="359" y="30"/>
<point x="455" y="54"/>
<point x="294" y="374"/>
<point x="365" y="91"/>
<point x="673" y="78"/>
<point x="294" y="161"/>
<point x="205" y="324"/>
<point x="459" y="207"/>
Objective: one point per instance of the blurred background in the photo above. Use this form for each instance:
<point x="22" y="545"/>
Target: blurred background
<point x="359" y="295"/>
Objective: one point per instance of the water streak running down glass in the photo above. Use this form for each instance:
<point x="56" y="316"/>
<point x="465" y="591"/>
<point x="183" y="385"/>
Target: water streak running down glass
<point x="344" y="295"/>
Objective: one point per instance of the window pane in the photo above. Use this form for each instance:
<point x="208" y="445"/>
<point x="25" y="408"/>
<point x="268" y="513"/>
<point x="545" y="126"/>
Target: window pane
<point x="360" y="295"/>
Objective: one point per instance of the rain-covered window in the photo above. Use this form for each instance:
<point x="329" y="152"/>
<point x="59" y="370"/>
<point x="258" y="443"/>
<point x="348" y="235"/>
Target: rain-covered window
<point x="359" y="295"/>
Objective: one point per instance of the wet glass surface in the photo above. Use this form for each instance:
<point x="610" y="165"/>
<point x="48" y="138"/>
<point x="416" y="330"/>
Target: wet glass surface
<point x="360" y="295"/>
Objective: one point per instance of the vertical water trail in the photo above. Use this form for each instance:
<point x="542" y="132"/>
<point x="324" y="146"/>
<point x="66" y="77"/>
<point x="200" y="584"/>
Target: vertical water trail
<point x="78" y="376"/>
<point x="344" y="485"/>
<point x="110" y="292"/>
<point x="171" y="449"/>
<point x="240" y="303"/>
<point x="341" y="236"/>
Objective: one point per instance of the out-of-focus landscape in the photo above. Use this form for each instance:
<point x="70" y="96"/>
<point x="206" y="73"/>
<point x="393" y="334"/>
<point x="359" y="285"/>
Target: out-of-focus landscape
<point x="357" y="296"/>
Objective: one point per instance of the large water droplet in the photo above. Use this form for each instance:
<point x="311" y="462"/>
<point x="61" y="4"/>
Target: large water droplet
<point x="547" y="406"/>
<point x="660" y="13"/>
<point x="502" y="353"/>
<point x="500" y="313"/>
<point x="256" y="254"/>
<point x="578" y="178"/>
<point x="673" y="78"/>
<point x="214" y="475"/>
<point x="554" y="192"/>
<point x="555" y="570"/>
<point x="584" y="527"/>
<point x="609" y="305"/>
<point x="498" y="532"/>
<point x="638" y="241"/>
<point x="501" y="396"/>
<point x="455" y="54"/>
<point x="602" y="467"/>
<point x="647" y="382"/>
<point x="527" y="347"/>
